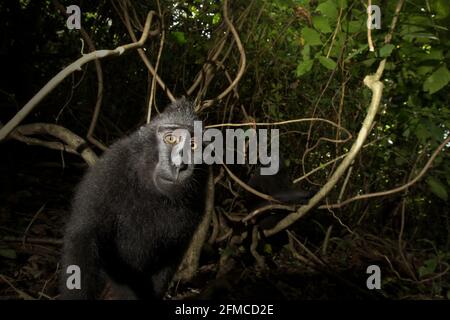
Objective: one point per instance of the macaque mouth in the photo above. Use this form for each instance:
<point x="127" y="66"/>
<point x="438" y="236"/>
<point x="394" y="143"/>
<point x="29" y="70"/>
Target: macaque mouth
<point x="167" y="179"/>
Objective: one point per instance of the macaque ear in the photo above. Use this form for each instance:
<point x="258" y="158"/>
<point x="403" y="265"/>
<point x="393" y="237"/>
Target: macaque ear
<point x="181" y="104"/>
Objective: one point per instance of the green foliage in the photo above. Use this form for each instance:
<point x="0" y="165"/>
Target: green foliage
<point x="303" y="67"/>
<point x="441" y="8"/>
<point x="437" y="80"/>
<point x="431" y="265"/>
<point x="328" y="63"/>
<point x="216" y="18"/>
<point x="268" y="249"/>
<point x="321" y="23"/>
<point x="302" y="56"/>
<point x="179" y="37"/>
<point x="428" y="267"/>
<point x="311" y="37"/>
<point x="328" y="9"/>
<point x="8" y="253"/>
<point x="438" y="188"/>
<point x="386" y="50"/>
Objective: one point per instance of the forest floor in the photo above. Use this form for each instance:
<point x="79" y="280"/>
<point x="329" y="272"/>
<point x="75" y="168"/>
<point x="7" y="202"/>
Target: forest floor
<point x="36" y="196"/>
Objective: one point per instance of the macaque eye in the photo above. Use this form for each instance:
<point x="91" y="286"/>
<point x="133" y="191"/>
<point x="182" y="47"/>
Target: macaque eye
<point x="169" y="138"/>
<point x="193" y="145"/>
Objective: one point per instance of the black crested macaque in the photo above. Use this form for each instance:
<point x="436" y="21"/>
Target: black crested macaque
<point x="135" y="211"/>
<point x="280" y="187"/>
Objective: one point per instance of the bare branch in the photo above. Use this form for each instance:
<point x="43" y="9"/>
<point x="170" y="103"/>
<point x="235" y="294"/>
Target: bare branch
<point x="74" y="66"/>
<point x="191" y="258"/>
<point x="98" y="68"/>
<point x="395" y="190"/>
<point x="70" y="141"/>
<point x="268" y="207"/>
<point x="242" y="60"/>
<point x="144" y="57"/>
<point x="247" y="187"/>
<point x="376" y="86"/>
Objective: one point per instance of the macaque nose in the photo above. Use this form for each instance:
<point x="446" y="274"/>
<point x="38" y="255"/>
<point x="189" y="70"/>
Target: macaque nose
<point x="181" y="166"/>
<point x="178" y="160"/>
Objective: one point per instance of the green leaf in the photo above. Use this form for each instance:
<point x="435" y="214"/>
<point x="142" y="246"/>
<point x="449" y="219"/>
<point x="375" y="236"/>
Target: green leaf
<point x="390" y="66"/>
<point x="311" y="37"/>
<point x="429" y="266"/>
<point x="422" y="133"/>
<point x="406" y="133"/>
<point x="342" y="4"/>
<point x="179" y="37"/>
<point x="386" y="50"/>
<point x="437" y="80"/>
<point x="227" y="252"/>
<point x="356" y="26"/>
<point x="216" y="18"/>
<point x="434" y="54"/>
<point x="423" y="70"/>
<point x="355" y="52"/>
<point x="327" y="62"/>
<point x="195" y="12"/>
<point x="438" y="188"/>
<point x="303" y="67"/>
<point x="321" y="24"/>
<point x="400" y="161"/>
<point x="328" y="9"/>
<point x="306" y="52"/>
<point x="368" y="62"/>
<point x="8" y="253"/>
<point x="268" y="248"/>
<point x="441" y="8"/>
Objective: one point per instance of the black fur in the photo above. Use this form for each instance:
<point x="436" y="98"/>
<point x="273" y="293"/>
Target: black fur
<point x="279" y="186"/>
<point x="125" y="230"/>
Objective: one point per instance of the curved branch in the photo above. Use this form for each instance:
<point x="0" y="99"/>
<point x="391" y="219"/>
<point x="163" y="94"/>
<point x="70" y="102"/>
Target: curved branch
<point x="158" y="59"/>
<point x="395" y="190"/>
<point x="141" y="52"/>
<point x="376" y="86"/>
<point x="242" y="60"/>
<point x="220" y="125"/>
<point x="374" y="83"/>
<point x="247" y="187"/>
<point x="191" y="259"/>
<point x="70" y="141"/>
<point x="268" y="207"/>
<point x="98" y="68"/>
<point x="322" y="166"/>
<point x="74" y="66"/>
<point x="208" y="66"/>
<point x="207" y="69"/>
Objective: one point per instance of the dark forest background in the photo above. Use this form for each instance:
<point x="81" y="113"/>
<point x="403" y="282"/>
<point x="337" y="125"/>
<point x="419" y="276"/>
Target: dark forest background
<point x="303" y="60"/>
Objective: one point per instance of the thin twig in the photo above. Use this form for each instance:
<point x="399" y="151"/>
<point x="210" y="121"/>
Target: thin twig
<point x="25" y="233"/>
<point x="74" y="66"/>
<point x="369" y="30"/>
<point x="247" y="187"/>
<point x="398" y="189"/>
